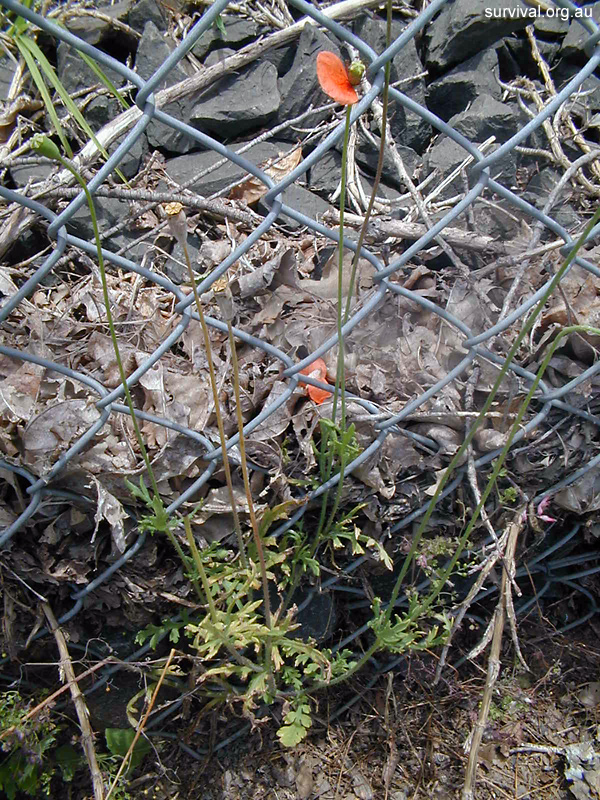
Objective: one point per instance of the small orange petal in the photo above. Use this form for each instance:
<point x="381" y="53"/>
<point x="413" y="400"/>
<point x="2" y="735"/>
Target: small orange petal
<point x="334" y="79"/>
<point x="318" y="370"/>
<point x="318" y="395"/>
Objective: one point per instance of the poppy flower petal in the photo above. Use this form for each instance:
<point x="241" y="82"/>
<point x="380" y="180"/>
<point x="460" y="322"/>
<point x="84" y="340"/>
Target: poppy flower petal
<point x="334" y="79"/>
<point x="318" y="370"/>
<point x="317" y="395"/>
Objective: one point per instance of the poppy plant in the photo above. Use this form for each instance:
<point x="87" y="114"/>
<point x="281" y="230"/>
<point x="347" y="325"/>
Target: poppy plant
<point x="335" y="79"/>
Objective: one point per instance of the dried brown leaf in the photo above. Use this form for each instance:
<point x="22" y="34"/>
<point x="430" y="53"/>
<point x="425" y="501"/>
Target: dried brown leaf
<point x="110" y="509"/>
<point x="251" y="190"/>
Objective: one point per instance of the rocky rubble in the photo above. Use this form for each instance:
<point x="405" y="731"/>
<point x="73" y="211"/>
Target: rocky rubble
<point x="456" y="69"/>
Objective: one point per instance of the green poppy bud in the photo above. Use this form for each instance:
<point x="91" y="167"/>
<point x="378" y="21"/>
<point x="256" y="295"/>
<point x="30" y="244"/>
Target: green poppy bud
<point x="45" y="147"/>
<point x="355" y="72"/>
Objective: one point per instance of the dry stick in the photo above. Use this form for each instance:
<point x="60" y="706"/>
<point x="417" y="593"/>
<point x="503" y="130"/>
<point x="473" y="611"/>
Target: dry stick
<point x="87" y="735"/>
<point x="252" y="513"/>
<point x="488" y="566"/>
<point x="140" y="728"/>
<point x="549" y="83"/>
<point x="220" y="209"/>
<point x="472" y="475"/>
<point x="494" y="661"/>
<point x="178" y="227"/>
<point x="54" y="695"/>
<point x="381" y="229"/>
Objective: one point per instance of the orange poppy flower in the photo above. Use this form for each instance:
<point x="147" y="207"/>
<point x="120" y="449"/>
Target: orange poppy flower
<point x="317" y="370"/>
<point x="334" y="78"/>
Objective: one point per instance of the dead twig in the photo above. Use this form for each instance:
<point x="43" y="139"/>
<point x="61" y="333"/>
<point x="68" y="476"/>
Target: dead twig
<point x="142" y="724"/>
<point x="67" y="671"/>
<point x="493" y="671"/>
<point x="382" y="229"/>
<point x="54" y="695"/>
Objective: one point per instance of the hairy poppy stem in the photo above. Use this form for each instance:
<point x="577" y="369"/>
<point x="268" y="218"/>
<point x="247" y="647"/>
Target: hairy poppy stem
<point x="340" y="388"/>
<point x="339" y="377"/>
<point x="378" y="171"/>
<point x="215" y="394"/>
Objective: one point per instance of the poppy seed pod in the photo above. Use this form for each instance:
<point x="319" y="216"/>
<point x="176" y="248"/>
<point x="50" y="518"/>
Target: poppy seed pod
<point x="45" y="147"/>
<point x="355" y="72"/>
<point x="177" y="222"/>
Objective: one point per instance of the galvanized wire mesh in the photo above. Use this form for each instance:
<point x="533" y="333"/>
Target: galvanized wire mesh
<point x="476" y="347"/>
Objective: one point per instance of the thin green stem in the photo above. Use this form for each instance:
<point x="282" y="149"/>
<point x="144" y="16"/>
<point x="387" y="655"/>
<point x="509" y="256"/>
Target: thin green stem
<point x="340" y="388"/>
<point x="379" y="169"/>
<point x="339" y="377"/>
<point x="159" y="509"/>
<point x="200" y="568"/>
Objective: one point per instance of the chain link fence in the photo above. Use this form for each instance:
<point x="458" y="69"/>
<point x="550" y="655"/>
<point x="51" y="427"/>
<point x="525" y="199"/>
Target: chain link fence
<point x="551" y="566"/>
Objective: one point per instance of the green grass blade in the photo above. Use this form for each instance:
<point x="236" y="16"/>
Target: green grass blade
<point x="43" y="90"/>
<point x="52" y="77"/>
<point x="103" y="78"/>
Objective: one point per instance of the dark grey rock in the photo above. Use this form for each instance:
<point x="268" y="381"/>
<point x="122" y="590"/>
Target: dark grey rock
<point x="93" y="30"/>
<point x="538" y="191"/>
<point x="367" y="156"/>
<point x="549" y="26"/>
<point x="588" y="93"/>
<point x="237" y="103"/>
<point x="239" y="32"/>
<point x="282" y="58"/>
<point x="175" y="267"/>
<point x="74" y="73"/>
<point x="407" y="127"/>
<point x="302" y="200"/>
<point x="516" y="60"/>
<point x="463" y="28"/>
<point x="144" y="11"/>
<point x="6" y="73"/>
<point x="218" y="56"/>
<point x="183" y="168"/>
<point x="446" y="155"/>
<point x="132" y="160"/>
<point x="325" y="177"/>
<point x="487" y="117"/>
<point x="577" y="36"/>
<point x="452" y="93"/>
<point x="153" y="50"/>
<point x="110" y="211"/>
<point x="299" y="86"/>
<point x="100" y="110"/>
<point x="169" y="139"/>
<point x="27" y="170"/>
<point x="501" y="225"/>
<point x="325" y="174"/>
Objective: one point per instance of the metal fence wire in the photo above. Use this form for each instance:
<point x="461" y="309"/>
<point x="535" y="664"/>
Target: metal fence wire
<point x="476" y="349"/>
